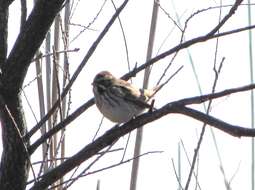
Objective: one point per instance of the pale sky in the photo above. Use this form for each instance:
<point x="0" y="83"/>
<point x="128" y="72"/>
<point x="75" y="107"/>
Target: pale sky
<point x="156" y="170"/>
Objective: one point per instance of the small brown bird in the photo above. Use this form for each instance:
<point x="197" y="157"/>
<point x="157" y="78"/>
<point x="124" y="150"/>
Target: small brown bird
<point x="117" y="99"/>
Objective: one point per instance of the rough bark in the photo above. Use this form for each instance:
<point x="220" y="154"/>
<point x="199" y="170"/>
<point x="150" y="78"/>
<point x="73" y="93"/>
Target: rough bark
<point x="3" y="31"/>
<point x="14" y="161"/>
<point x="14" y="165"/>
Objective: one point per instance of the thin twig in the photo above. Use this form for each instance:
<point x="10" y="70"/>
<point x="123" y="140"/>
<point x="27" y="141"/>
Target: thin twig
<point x="78" y="70"/>
<point x="171" y="77"/>
<point x="124" y="38"/>
<point x="182" y="102"/>
<point x="176" y="175"/>
<point x="87" y="168"/>
<point x="82" y="26"/>
<point x="216" y="72"/>
<point x="93" y="20"/>
<point x="52" y="53"/>
<point x="190" y="163"/>
<point x="168" y="15"/>
<point x="99" y="127"/>
<point x="116" y="132"/>
<point x="29" y="105"/>
<point x="126" y="146"/>
<point x="111" y="166"/>
<point x="136" y="70"/>
<point x="32" y="81"/>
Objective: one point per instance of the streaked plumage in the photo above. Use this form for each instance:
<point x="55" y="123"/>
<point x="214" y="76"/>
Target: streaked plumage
<point x="118" y="100"/>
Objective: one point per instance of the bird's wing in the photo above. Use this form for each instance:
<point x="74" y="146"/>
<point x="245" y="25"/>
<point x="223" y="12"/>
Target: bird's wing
<point x="131" y="94"/>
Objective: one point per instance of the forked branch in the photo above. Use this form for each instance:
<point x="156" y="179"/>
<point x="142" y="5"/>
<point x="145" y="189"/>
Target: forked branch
<point x="116" y="132"/>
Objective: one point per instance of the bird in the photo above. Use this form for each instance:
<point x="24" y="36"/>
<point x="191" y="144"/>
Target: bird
<point x="119" y="100"/>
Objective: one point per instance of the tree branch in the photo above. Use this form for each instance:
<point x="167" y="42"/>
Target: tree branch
<point x="224" y="20"/>
<point x="179" y="47"/>
<point x="116" y="132"/>
<point x="14" y="166"/>
<point x="8" y="2"/>
<point x="182" y="102"/>
<point x="79" y="69"/>
<point x="233" y="130"/>
<point x="28" y="41"/>
<point x="204" y="98"/>
<point x="3" y="31"/>
<point x="138" y="69"/>
<point x="60" y="126"/>
<point x="210" y="35"/>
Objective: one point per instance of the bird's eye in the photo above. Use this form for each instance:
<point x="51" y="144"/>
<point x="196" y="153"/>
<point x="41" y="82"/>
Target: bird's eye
<point x="101" y="89"/>
<point x="104" y="82"/>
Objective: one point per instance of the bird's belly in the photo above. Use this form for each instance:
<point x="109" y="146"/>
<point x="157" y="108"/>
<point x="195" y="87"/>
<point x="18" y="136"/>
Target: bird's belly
<point x="120" y="113"/>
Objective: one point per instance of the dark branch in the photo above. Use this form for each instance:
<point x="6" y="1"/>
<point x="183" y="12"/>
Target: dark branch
<point x="116" y="132"/>
<point x="79" y="69"/>
<point x="14" y="166"/>
<point x="210" y="35"/>
<point x="181" y="103"/>
<point x="3" y="31"/>
<point x="233" y="130"/>
<point x="28" y="41"/>
<point x="179" y="47"/>
<point x="23" y="4"/>
<point x="224" y="20"/>
<point x="182" y="46"/>
<point x="8" y="2"/>
<point x="138" y="69"/>
<point x="204" y="98"/>
<point x="113" y="134"/>
<point x="60" y="126"/>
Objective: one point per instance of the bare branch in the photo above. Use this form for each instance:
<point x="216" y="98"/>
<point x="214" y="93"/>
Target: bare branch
<point x="79" y="69"/>
<point x="233" y="130"/>
<point x="51" y="54"/>
<point x="143" y="66"/>
<point x="116" y="132"/>
<point x="61" y="125"/>
<point x="181" y="103"/>
<point x="112" y="166"/>
<point x="204" y="98"/>
<point x="27" y="43"/>
<point x="224" y="20"/>
<point x="89" y="25"/>
<point x="176" y="175"/>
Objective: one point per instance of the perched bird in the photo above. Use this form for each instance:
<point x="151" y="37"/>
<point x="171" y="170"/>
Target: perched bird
<point x="117" y="99"/>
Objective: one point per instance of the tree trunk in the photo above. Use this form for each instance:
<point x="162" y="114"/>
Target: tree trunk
<point x="14" y="162"/>
<point x="14" y="165"/>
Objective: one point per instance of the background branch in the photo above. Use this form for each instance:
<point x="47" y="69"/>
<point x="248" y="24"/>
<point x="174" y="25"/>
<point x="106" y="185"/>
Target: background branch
<point x="181" y="103"/>
<point x="233" y="130"/>
<point x="28" y="41"/>
<point x="135" y="71"/>
<point x="28" y="35"/>
<point x="116" y="132"/>
<point x="79" y="69"/>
